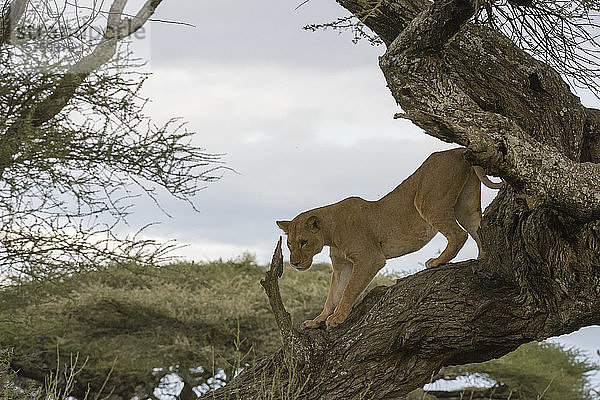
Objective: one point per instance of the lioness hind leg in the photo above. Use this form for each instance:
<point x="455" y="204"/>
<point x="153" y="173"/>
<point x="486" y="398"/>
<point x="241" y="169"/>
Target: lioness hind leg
<point x="435" y="204"/>
<point x="468" y="209"/>
<point x="443" y="219"/>
<point x="456" y="237"/>
<point x="342" y="269"/>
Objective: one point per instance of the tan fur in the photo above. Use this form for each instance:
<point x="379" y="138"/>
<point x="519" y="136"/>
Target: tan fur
<point x="362" y="234"/>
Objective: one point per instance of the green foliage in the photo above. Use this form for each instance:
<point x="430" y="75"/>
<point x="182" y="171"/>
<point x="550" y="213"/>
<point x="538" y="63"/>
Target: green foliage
<point x="537" y="370"/>
<point x="135" y="318"/>
<point x="8" y="387"/>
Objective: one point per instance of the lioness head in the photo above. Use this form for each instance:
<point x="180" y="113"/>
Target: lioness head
<point x="304" y="239"/>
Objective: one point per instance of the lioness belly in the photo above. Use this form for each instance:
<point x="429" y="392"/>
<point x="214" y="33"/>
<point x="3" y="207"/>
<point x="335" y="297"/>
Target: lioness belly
<point x="401" y="243"/>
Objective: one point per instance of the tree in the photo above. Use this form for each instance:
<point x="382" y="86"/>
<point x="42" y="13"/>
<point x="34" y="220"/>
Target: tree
<point x="76" y="148"/>
<point x="467" y="83"/>
<point x="535" y="370"/>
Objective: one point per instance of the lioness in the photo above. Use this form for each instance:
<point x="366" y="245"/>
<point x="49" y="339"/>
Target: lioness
<point x="362" y="234"/>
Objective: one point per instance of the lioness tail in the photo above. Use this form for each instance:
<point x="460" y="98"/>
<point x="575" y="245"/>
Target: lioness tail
<point x="485" y="180"/>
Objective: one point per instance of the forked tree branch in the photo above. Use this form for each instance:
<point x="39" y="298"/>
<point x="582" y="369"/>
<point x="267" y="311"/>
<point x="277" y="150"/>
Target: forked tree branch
<point x="271" y="286"/>
<point x="10" y="14"/>
<point x="117" y="28"/>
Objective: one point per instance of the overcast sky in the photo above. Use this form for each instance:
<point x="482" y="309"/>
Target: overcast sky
<point x="304" y="118"/>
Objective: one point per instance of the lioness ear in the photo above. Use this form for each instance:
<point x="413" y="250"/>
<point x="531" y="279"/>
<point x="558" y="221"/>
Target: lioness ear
<point x="284" y="225"/>
<point x="313" y="224"/>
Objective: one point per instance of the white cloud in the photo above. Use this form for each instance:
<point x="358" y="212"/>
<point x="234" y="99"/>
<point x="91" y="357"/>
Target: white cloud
<point x="207" y="250"/>
<point x="244" y="32"/>
<point x="253" y="102"/>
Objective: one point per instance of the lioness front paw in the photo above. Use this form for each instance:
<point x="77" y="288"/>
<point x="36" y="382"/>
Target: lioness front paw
<point x="311" y="324"/>
<point x="335" y="319"/>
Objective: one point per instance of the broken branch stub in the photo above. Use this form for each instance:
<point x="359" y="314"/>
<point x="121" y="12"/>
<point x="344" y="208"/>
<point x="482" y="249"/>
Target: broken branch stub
<point x="271" y="286"/>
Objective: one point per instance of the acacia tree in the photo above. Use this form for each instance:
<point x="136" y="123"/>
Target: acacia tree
<point x="467" y="82"/>
<point x="75" y="145"/>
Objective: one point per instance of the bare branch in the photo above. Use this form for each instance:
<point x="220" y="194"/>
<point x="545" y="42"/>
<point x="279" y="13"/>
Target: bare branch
<point x="10" y="15"/>
<point x="145" y="12"/>
<point x="271" y="286"/>
<point x="76" y="147"/>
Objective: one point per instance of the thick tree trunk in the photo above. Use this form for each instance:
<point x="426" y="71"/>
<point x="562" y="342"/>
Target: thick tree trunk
<point x="541" y="276"/>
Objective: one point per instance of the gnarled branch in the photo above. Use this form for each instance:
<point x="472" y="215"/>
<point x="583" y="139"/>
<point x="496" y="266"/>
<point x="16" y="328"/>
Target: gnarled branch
<point x="539" y="153"/>
<point x="10" y="14"/>
<point x="271" y="286"/>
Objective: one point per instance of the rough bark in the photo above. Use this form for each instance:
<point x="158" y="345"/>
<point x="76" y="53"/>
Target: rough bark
<point x="469" y="85"/>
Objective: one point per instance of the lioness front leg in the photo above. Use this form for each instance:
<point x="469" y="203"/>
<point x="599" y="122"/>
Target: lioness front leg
<point x="362" y="274"/>
<point x="342" y="268"/>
